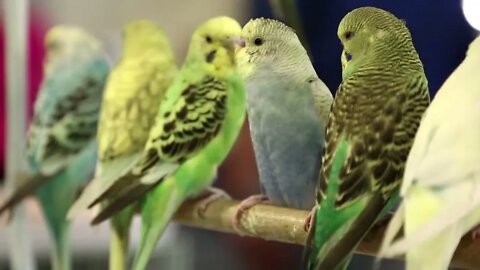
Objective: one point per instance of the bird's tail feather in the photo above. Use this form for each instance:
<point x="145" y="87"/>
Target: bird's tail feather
<point x="336" y="257"/>
<point x="160" y="205"/>
<point x="393" y="228"/>
<point x="344" y="265"/>
<point x="120" y="238"/>
<point x="338" y="244"/>
<point x="447" y="217"/>
<point x="308" y="263"/>
<point x="54" y="210"/>
<point x="435" y="253"/>
<point x="130" y="195"/>
<point x="313" y="255"/>
<point x="106" y="176"/>
<point x="28" y="187"/>
<point x="60" y="254"/>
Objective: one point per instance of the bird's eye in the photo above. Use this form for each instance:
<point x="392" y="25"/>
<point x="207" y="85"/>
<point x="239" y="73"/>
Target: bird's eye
<point x="348" y="56"/>
<point x="208" y="39"/>
<point x="53" y="45"/>
<point x="348" y="35"/>
<point x="258" y="42"/>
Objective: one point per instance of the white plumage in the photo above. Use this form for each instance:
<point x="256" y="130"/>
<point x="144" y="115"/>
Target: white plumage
<point x="441" y="185"/>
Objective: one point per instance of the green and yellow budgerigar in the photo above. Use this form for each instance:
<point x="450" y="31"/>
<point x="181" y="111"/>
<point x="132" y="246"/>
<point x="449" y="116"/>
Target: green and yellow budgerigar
<point x="135" y="88"/>
<point x="196" y="126"/>
<point x="61" y="150"/>
<point x="374" y="118"/>
<point x="441" y="186"/>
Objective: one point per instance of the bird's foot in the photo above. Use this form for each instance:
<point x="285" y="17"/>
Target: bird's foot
<point x="309" y="219"/>
<point x="476" y="233"/>
<point x="210" y="195"/>
<point x="245" y="205"/>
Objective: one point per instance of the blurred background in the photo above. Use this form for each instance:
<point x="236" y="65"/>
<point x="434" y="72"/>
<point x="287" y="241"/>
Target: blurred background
<point x="441" y="32"/>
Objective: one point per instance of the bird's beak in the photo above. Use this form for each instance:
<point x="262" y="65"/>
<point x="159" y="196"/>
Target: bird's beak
<point x="234" y="43"/>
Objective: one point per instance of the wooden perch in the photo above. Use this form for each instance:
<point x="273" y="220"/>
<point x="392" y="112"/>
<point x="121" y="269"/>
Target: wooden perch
<point x="286" y="225"/>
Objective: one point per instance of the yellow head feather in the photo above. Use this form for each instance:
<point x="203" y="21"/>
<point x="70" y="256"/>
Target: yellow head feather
<point x="68" y="43"/>
<point x="214" y="44"/>
<point x="141" y="35"/>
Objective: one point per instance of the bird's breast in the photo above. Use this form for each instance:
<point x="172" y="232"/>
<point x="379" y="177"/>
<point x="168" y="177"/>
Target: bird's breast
<point x="288" y="140"/>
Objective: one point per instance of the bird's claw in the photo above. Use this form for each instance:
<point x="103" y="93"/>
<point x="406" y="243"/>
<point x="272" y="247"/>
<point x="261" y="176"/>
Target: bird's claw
<point x="245" y="205"/>
<point x="210" y="195"/>
<point x="308" y="220"/>
<point x="476" y="233"/>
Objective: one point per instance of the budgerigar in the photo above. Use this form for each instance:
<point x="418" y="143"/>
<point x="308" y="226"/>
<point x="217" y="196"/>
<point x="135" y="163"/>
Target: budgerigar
<point x="374" y="118"/>
<point x="288" y="108"/>
<point x="195" y="128"/>
<point x="61" y="150"/>
<point x="134" y="90"/>
<point x="441" y="186"/>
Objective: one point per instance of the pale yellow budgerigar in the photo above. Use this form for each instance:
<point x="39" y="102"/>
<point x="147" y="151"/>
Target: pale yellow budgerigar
<point x="441" y="186"/>
<point x="134" y="91"/>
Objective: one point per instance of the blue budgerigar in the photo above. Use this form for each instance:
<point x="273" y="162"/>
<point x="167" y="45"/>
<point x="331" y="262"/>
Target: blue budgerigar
<point x="61" y="147"/>
<point x="288" y="108"/>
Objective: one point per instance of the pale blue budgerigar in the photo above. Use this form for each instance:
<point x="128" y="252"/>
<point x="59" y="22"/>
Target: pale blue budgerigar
<point x="61" y="147"/>
<point x="441" y="186"/>
<point x="288" y="108"/>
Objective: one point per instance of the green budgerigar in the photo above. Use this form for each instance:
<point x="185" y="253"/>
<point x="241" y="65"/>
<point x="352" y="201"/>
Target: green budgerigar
<point x="374" y="118"/>
<point x="134" y="90"/>
<point x="61" y="150"/>
<point x="441" y="186"/>
<point x="195" y="128"/>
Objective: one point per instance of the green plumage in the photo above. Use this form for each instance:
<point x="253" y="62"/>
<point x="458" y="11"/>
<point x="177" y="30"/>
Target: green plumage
<point x="375" y="115"/>
<point x="195" y="127"/>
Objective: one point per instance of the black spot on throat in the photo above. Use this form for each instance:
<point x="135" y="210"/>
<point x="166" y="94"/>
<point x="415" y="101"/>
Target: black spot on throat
<point x="210" y="56"/>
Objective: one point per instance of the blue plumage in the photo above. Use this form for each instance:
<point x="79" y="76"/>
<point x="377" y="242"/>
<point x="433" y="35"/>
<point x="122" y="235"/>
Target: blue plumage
<point x="61" y="146"/>
<point x="288" y="107"/>
<point x="288" y="139"/>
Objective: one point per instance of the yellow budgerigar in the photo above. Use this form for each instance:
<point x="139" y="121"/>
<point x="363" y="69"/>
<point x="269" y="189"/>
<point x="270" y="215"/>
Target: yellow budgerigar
<point x="135" y="88"/>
